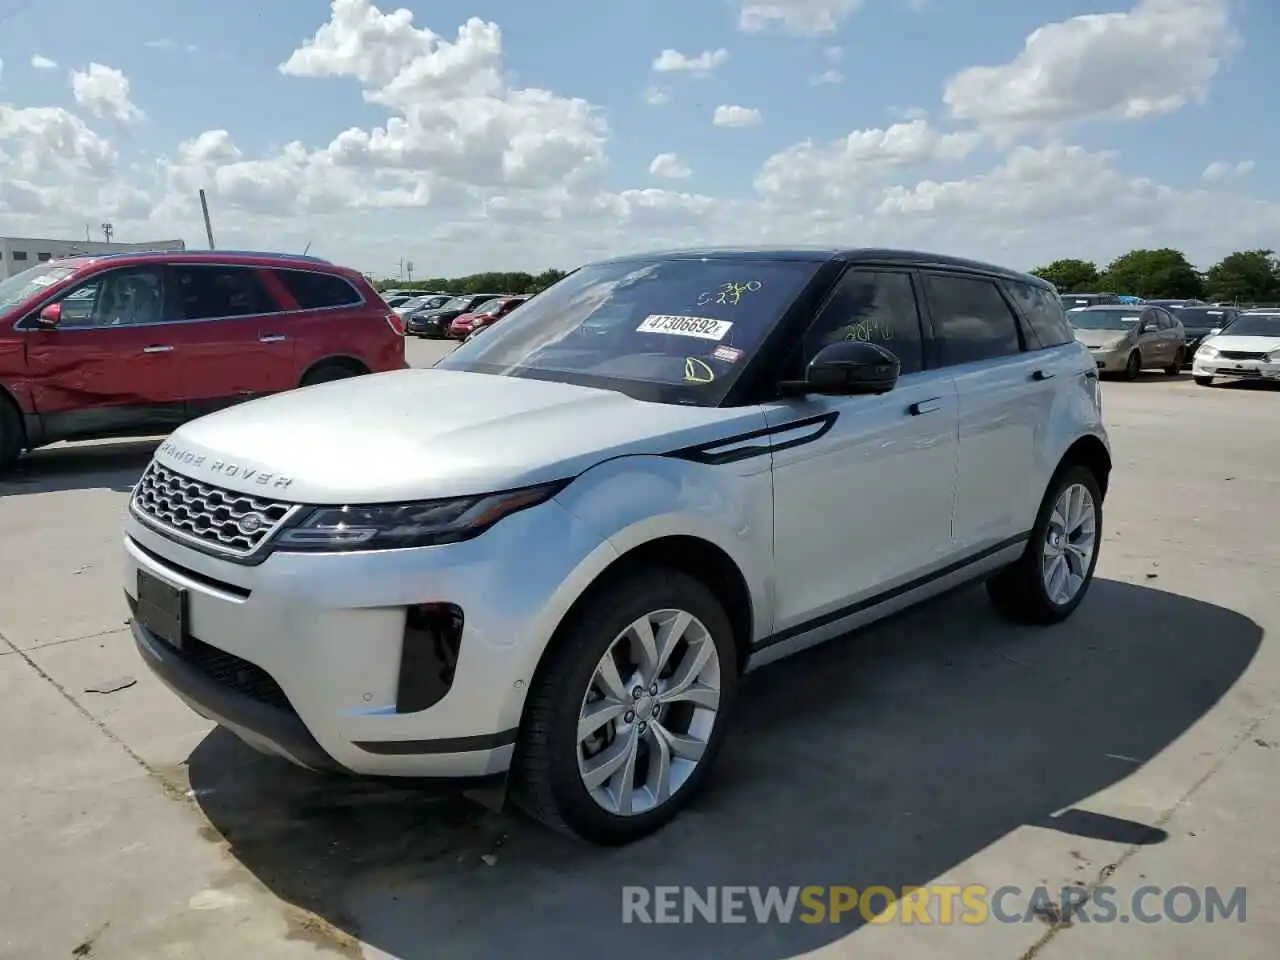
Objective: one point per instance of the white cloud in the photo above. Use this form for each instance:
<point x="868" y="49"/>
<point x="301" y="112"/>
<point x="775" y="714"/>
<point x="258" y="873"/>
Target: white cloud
<point x="1222" y="170"/>
<point x="43" y="63"/>
<point x="1152" y="60"/>
<point x="165" y="43"/>
<point x="798" y="17"/>
<point x="702" y="64"/>
<point x="669" y="167"/>
<point x="827" y="77"/>
<point x="729" y="115"/>
<point x="104" y="91"/>
<point x="657" y="96"/>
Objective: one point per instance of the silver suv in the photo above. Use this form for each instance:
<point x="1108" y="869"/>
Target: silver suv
<point x="658" y="474"/>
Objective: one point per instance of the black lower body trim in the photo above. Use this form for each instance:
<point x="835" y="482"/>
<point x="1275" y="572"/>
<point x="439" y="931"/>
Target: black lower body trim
<point x="230" y="707"/>
<point x="866" y="603"/>
<point x="402" y="748"/>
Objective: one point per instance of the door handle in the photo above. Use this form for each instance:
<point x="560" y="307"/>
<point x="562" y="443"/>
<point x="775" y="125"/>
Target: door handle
<point x="925" y="406"/>
<point x="273" y="338"/>
<point x="1042" y="375"/>
<point x="159" y="348"/>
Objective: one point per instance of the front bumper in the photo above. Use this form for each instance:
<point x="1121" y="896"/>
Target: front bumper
<point x="302" y="655"/>
<point x="429" y="327"/>
<point x="1236" y="369"/>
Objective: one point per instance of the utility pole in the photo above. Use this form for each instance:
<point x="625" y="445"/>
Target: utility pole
<point x="408" y="266"/>
<point x="108" y="231"/>
<point x="208" y="224"/>
<point x="400" y="272"/>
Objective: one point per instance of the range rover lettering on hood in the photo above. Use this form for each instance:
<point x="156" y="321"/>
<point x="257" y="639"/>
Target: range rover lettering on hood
<point x="222" y="468"/>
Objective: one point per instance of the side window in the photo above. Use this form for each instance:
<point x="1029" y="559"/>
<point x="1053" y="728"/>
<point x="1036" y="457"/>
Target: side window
<point x="1044" y="314"/>
<point x="1148" y="323"/>
<point x="878" y="306"/>
<point x="314" y="291"/>
<point x="971" y="320"/>
<point x="210" y="293"/>
<point x="115" y="298"/>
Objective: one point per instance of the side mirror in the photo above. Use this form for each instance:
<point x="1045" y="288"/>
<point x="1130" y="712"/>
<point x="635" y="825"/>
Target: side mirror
<point x="847" y="368"/>
<point x="50" y="316"/>
<point x="1215" y="331"/>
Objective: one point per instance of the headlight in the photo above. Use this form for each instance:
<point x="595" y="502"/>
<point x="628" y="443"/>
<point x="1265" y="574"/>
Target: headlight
<point x="399" y="525"/>
<point x="1207" y="352"/>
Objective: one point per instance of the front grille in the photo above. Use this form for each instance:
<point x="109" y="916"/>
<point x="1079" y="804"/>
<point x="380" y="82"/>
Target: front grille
<point x="1241" y="355"/>
<point x="228" y="670"/>
<point x="226" y="521"/>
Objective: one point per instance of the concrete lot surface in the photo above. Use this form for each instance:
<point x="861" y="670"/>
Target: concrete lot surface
<point x="1134" y="745"/>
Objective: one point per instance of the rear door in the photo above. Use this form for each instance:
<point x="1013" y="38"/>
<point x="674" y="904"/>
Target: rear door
<point x="1153" y="340"/>
<point x="112" y="364"/>
<point x="231" y="347"/>
<point x="1002" y="408"/>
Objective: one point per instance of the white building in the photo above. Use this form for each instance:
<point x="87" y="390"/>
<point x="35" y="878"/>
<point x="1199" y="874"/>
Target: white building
<point x="19" y="253"/>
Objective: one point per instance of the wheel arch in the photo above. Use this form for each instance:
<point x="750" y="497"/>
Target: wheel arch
<point x="354" y="364"/>
<point x="1089" y="452"/>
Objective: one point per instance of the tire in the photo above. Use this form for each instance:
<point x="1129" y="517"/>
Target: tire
<point x="12" y="437"/>
<point x="327" y="373"/>
<point x="1133" y="366"/>
<point x="549" y="771"/>
<point x="1176" y="367"/>
<point x="1020" y="591"/>
<point x="1204" y="381"/>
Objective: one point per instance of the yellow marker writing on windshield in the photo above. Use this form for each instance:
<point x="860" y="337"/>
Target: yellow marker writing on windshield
<point x="729" y="294"/>
<point x="695" y="371"/>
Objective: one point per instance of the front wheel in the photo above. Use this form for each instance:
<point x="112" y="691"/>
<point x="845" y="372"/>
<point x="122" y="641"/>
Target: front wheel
<point x="1133" y="366"/>
<point x="1204" y="381"/>
<point x="11" y="435"/>
<point x="628" y="712"/>
<point x="1053" y="574"/>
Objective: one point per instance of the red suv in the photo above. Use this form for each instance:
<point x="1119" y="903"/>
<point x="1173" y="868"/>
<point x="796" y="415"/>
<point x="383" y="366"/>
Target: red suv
<point x="135" y="344"/>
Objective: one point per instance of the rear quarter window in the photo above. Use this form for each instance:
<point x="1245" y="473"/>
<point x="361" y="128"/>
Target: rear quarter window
<point x="315" y="291"/>
<point x="1043" y="313"/>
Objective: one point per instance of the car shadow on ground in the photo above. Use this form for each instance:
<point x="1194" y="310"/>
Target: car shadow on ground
<point x="113" y="465"/>
<point x="883" y="758"/>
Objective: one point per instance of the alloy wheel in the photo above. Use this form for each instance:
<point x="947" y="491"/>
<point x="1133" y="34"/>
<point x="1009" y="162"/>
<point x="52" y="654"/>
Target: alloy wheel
<point x="649" y="712"/>
<point x="1069" y="545"/>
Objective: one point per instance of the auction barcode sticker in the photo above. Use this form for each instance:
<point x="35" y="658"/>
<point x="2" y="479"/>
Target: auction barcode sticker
<point x="703" y="328"/>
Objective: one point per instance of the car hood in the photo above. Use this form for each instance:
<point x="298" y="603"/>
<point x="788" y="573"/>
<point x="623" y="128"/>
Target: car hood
<point x="1100" y="338"/>
<point x="1250" y="344"/>
<point x="426" y="433"/>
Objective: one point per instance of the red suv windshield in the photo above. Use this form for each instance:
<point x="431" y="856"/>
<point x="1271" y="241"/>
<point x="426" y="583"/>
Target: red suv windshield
<point x="22" y="286"/>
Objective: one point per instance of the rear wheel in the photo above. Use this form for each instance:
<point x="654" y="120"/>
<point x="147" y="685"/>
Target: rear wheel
<point x="1176" y="367"/>
<point x="1053" y="575"/>
<point x="628" y="712"/>
<point x="1133" y="366"/>
<point x="12" y="437"/>
<point x="328" y="372"/>
<point x="1204" y="381"/>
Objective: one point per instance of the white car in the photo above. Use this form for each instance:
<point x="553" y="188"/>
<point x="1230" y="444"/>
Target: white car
<point x="1246" y="349"/>
<point x="660" y="473"/>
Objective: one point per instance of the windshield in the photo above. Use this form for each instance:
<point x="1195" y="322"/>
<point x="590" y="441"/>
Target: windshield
<point x="1070" y="302"/>
<point x="675" y="331"/>
<point x="1119" y="320"/>
<point x="1202" y="318"/>
<point x="1255" y="325"/>
<point x="22" y="286"/>
<point x="493" y="306"/>
<point x="457" y="303"/>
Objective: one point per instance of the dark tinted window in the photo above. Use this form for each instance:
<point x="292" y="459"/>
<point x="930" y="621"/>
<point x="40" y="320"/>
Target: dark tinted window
<point x="1204" y="318"/>
<point x="879" y="307"/>
<point x="314" y="291"/>
<point x="971" y="320"/>
<point x="208" y="293"/>
<point x="1044" y="314"/>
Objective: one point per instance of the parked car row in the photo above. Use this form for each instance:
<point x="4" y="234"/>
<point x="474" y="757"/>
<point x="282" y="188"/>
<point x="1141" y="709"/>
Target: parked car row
<point x="459" y="317"/>
<point x="138" y="343"/>
<point x="1214" y="341"/>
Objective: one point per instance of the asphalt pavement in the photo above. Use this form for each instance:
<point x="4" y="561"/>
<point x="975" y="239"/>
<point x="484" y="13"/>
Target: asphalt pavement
<point x="1133" y="746"/>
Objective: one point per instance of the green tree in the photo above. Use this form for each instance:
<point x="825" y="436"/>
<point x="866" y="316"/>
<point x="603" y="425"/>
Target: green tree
<point x="1070" y="276"/>
<point x="1245" y="276"/>
<point x="1153" y="273"/>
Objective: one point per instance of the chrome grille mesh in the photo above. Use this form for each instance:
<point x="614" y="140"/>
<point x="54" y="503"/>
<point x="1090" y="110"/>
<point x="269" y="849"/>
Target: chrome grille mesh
<point x="225" y="520"/>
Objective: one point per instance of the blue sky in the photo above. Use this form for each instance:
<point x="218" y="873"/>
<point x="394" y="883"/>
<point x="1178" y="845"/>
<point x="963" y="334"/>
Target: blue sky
<point x="198" y="67"/>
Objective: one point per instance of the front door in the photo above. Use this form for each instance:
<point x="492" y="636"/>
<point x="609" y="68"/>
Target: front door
<point x="109" y="366"/>
<point x="235" y="345"/>
<point x="866" y="504"/>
